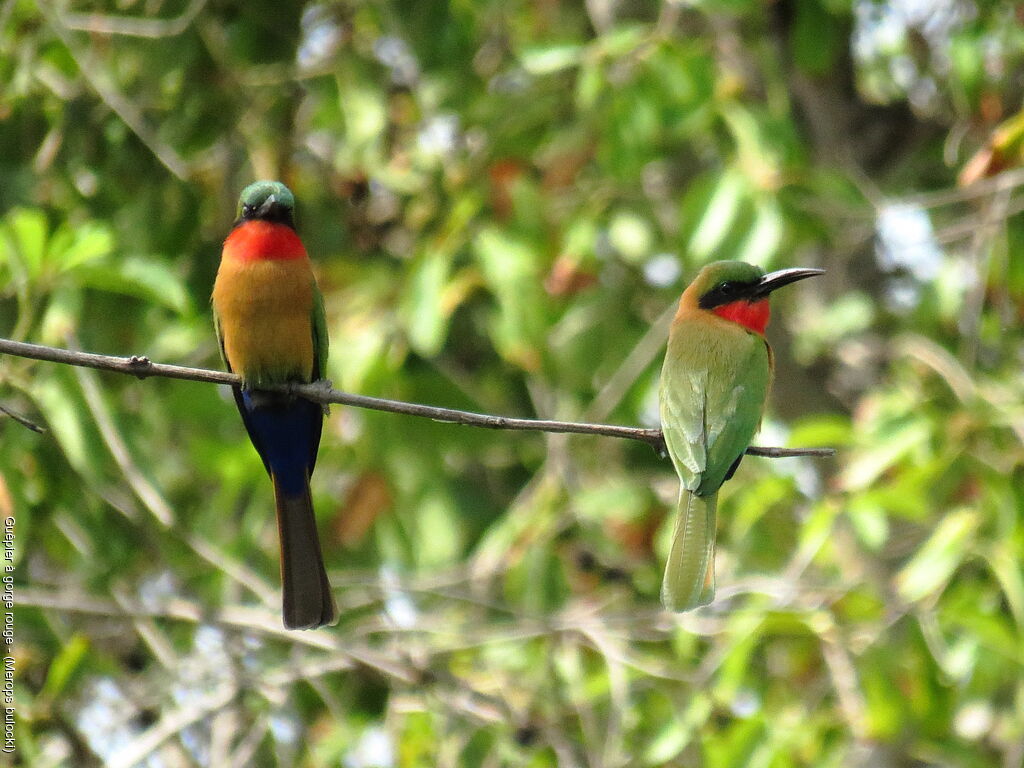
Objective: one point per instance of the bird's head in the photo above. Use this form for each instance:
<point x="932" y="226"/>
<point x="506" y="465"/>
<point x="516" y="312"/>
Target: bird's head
<point x="739" y="291"/>
<point x="267" y="201"/>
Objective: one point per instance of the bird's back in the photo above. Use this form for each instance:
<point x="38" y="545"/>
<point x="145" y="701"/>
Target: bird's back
<point x="714" y="385"/>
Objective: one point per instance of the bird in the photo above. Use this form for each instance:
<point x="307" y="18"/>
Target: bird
<point x="714" y="384"/>
<point x="272" y="330"/>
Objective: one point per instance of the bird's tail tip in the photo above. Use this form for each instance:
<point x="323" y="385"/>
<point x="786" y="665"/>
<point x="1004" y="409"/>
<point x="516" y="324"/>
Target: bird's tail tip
<point x="689" y="580"/>
<point x="307" y="600"/>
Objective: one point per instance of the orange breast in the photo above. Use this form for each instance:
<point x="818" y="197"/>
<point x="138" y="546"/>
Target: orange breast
<point x="265" y="310"/>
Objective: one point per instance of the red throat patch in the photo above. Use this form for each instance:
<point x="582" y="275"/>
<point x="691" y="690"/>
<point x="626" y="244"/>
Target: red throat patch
<point x="753" y="316"/>
<point x="263" y="240"/>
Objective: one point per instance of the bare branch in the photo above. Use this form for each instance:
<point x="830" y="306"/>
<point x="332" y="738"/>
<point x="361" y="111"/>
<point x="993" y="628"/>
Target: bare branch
<point x="322" y="392"/>
<point x="144" y="490"/>
<point x="103" y="86"/>
<point x="132" y="26"/>
<point x="250" y="619"/>
<point x="1002" y="182"/>
<point x="21" y="419"/>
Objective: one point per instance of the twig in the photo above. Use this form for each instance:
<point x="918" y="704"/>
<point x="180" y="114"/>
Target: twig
<point x="1002" y="182"/>
<point x="102" y="84"/>
<point x="171" y="724"/>
<point x="21" y="419"/>
<point x="143" y="489"/>
<point x="342" y="655"/>
<point x="631" y="367"/>
<point x="130" y="26"/>
<point x="246" y="618"/>
<point x="321" y="392"/>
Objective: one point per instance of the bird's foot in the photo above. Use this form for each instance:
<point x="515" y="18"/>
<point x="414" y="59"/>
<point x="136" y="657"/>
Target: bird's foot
<point x="139" y="365"/>
<point x="323" y="388"/>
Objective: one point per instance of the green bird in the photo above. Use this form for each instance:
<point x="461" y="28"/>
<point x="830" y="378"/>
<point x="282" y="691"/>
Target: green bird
<point x="714" y="384"/>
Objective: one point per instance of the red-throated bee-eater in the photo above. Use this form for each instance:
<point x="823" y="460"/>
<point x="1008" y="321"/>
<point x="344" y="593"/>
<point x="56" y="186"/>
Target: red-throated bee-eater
<point x="714" y="383"/>
<point x="270" y="323"/>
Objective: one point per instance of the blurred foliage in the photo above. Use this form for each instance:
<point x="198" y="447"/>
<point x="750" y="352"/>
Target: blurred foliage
<point x="504" y="201"/>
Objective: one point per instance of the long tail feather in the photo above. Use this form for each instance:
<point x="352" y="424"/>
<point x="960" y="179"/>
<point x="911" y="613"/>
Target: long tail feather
<point x="690" y="569"/>
<point x="308" y="602"/>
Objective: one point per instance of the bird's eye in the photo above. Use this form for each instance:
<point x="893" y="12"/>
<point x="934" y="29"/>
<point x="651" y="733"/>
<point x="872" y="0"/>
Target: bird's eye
<point x="248" y="210"/>
<point x="727" y="288"/>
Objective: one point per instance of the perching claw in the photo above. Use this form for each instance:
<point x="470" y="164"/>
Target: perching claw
<point x="324" y="388"/>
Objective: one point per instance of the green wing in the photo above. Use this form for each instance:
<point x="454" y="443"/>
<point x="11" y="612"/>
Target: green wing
<point x="220" y="340"/>
<point x="713" y="387"/>
<point x="734" y="414"/>
<point x="320" y="343"/>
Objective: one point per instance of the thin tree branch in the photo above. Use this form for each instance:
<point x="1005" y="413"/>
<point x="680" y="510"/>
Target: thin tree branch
<point x="631" y="367"/>
<point x="102" y="84"/>
<point x="1002" y="182"/>
<point x="247" y="618"/>
<point x="172" y="723"/>
<point x="322" y="392"/>
<point x="130" y="26"/>
<point x="21" y="419"/>
<point x="144" y="490"/>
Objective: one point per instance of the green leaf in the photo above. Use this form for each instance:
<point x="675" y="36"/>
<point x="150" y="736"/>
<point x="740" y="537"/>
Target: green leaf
<point x="765" y="235"/>
<point x="817" y="431"/>
<point x="866" y="467"/>
<point x="939" y="557"/>
<point x="718" y="215"/>
<point x="724" y="6"/>
<point x="547" y="59"/>
<point x="616" y="498"/>
<point x="63" y="314"/>
<point x="621" y="40"/>
<point x="849" y="314"/>
<point x="64" y="666"/>
<point x="91" y="241"/>
<point x="140" y="277"/>
<point x="870" y="523"/>
<point x="510" y="271"/>
<point x="422" y="309"/>
<point x="60" y="408"/>
<point x="631" y="236"/>
<point x="1007" y="569"/>
<point x="816" y="39"/>
<point x="590" y="83"/>
<point x="885" y="710"/>
<point x="365" y="119"/>
<point x="365" y="348"/>
<point x="26" y="233"/>
<point x="439" y="540"/>
<point x="967" y="64"/>
<point x="677" y="732"/>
